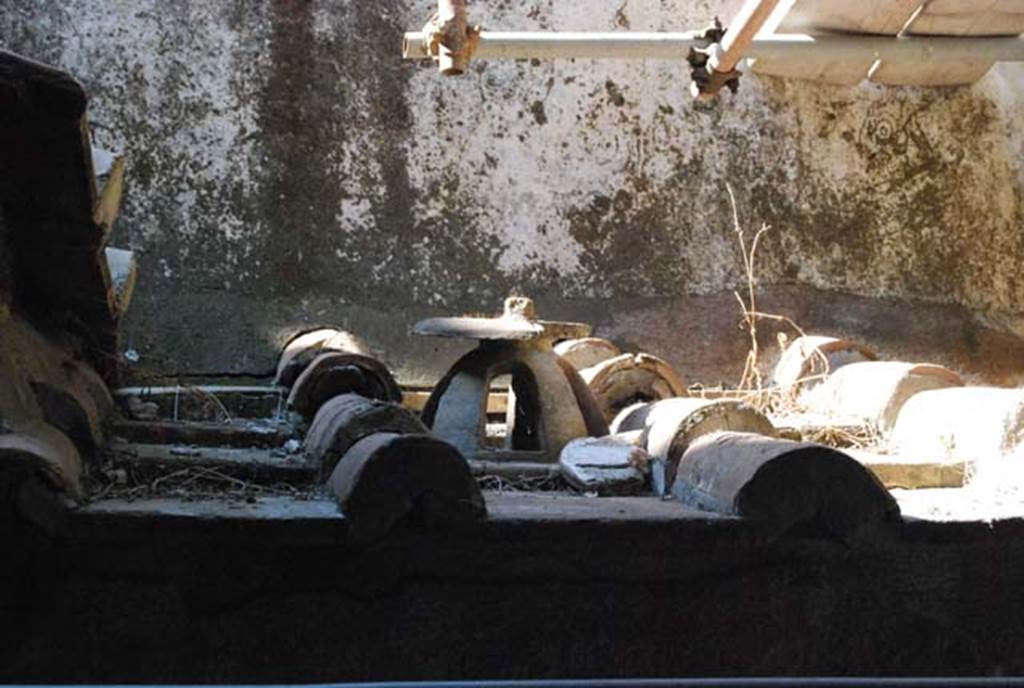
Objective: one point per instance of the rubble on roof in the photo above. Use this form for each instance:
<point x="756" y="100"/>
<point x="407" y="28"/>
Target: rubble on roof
<point x="578" y="412"/>
<point x="605" y="466"/>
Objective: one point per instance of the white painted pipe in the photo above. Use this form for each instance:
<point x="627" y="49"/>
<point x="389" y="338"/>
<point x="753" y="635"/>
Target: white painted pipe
<point x="496" y="45"/>
<point x="209" y="389"/>
<point x="741" y="33"/>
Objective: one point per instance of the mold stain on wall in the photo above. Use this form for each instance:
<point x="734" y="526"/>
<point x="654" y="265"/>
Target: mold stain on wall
<point x="287" y="169"/>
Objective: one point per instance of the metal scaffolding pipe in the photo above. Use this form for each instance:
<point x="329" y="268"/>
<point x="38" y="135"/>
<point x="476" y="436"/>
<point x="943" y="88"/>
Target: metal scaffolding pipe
<point x="740" y="34"/>
<point x="452" y="58"/>
<point x="496" y="45"/>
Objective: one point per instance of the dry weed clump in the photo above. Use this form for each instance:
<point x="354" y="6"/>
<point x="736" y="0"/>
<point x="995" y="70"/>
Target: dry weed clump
<point x="505" y="484"/>
<point x="206" y="404"/>
<point x="190" y="483"/>
<point x="751" y="384"/>
<point x="773" y="400"/>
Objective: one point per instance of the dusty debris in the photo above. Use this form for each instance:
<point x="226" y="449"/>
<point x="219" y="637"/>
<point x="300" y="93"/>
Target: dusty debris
<point x="502" y="467"/>
<point x="523" y="483"/>
<point x="256" y="462"/>
<point x="142" y="410"/>
<point x="188" y="483"/>
<point x="240" y="433"/>
<point x="609" y="465"/>
<point x="832" y="433"/>
<point x="202" y="403"/>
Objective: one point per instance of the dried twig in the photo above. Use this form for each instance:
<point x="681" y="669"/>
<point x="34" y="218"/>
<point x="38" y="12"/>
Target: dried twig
<point x="751" y="378"/>
<point x="544" y="483"/>
<point x="194" y="482"/>
<point x="864" y="437"/>
<point x="204" y="394"/>
<point x="751" y="386"/>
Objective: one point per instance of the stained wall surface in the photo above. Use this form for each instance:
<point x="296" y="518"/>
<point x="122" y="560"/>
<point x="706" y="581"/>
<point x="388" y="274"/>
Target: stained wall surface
<point x="287" y="169"/>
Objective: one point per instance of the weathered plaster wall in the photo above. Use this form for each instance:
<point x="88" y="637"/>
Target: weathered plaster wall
<point x="287" y="169"/>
